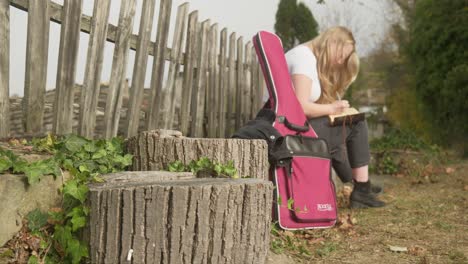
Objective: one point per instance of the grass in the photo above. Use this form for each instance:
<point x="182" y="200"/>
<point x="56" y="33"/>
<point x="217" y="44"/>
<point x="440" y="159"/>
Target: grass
<point x="427" y="214"/>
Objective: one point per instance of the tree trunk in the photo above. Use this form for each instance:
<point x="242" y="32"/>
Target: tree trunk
<point x="153" y="152"/>
<point x="204" y="220"/>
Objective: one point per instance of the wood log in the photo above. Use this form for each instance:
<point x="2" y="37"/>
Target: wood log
<point x="208" y="220"/>
<point x="152" y="151"/>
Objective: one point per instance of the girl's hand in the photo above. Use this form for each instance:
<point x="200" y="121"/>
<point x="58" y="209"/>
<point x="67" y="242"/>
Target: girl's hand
<point x="339" y="106"/>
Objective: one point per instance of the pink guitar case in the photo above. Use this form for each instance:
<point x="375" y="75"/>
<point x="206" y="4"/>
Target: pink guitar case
<point x="305" y="192"/>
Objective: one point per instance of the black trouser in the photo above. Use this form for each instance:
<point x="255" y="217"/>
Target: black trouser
<point x="348" y="145"/>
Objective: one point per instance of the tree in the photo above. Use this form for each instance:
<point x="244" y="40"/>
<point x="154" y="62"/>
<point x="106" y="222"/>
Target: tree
<point x="437" y="54"/>
<point x="294" y="23"/>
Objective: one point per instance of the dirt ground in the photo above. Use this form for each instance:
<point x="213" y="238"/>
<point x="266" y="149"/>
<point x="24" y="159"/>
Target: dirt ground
<point x="425" y="221"/>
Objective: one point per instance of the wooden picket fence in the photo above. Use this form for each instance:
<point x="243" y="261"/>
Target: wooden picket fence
<point x="214" y="83"/>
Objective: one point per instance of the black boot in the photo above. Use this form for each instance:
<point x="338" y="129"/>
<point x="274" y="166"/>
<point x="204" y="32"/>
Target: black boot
<point x="376" y="189"/>
<point x="363" y="197"/>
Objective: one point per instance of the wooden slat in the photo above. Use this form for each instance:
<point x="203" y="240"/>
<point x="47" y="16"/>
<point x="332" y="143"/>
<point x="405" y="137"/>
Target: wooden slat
<point x="139" y="68"/>
<point x="198" y="95"/>
<point x="171" y="87"/>
<point x="66" y="69"/>
<point x="4" y="68"/>
<point x="261" y="86"/>
<point x="231" y="85"/>
<point x="240" y="82"/>
<point x="247" y="95"/>
<point x="212" y="104"/>
<point x="36" y="66"/>
<point x="254" y="88"/>
<point x="119" y="68"/>
<point x="222" y="84"/>
<point x="92" y="81"/>
<point x="189" y="64"/>
<point x="152" y="121"/>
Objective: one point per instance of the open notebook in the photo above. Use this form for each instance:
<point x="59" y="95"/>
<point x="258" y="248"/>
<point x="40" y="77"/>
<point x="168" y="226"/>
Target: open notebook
<point x="348" y="117"/>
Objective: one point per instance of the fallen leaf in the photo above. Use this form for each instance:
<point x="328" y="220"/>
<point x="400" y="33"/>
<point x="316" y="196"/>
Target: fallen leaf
<point x="398" y="249"/>
<point x="449" y="170"/>
<point x="466" y="188"/>
<point x="347" y="191"/>
<point x="399" y="175"/>
<point x="416" y="250"/>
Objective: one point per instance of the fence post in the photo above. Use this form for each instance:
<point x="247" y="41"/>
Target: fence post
<point x="4" y="68"/>
<point x="247" y="95"/>
<point x="92" y="82"/>
<point x="212" y="99"/>
<point x="222" y="84"/>
<point x="231" y="98"/>
<point x="189" y="61"/>
<point x="198" y="95"/>
<point x="176" y="55"/>
<point x="139" y="68"/>
<point x="152" y="120"/>
<point x="68" y="51"/>
<point x="240" y="83"/>
<point x="119" y="68"/>
<point x="36" y="66"/>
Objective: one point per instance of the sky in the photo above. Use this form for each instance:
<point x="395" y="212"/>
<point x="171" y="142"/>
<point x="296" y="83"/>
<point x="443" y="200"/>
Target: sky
<point x="368" y="20"/>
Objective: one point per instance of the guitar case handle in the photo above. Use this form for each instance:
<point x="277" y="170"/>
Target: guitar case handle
<point x="297" y="128"/>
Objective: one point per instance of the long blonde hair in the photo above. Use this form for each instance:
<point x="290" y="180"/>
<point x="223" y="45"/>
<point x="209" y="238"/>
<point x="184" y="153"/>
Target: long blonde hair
<point x="334" y="79"/>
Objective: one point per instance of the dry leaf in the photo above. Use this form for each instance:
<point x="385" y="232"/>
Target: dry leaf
<point x="416" y="250"/>
<point x="466" y="187"/>
<point x="449" y="170"/>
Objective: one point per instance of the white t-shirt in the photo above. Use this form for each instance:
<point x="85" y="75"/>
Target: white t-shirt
<point x="301" y="60"/>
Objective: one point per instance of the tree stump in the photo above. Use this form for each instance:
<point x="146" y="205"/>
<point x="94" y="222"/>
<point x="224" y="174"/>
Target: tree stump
<point x="151" y="152"/>
<point x="204" y="220"/>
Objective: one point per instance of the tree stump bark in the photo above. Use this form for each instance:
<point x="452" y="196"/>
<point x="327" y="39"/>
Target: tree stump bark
<point x="152" y="152"/>
<point x="204" y="220"/>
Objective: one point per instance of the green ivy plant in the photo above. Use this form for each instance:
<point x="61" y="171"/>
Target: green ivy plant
<point x="59" y="229"/>
<point x="206" y="167"/>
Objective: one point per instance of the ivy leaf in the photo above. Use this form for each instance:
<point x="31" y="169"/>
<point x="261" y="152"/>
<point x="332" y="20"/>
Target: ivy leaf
<point x="36" y="219"/>
<point x="280" y="201"/>
<point x="33" y="260"/>
<point x="78" y="192"/>
<point x="290" y="204"/>
<point x="39" y="168"/>
<point x="99" y="154"/>
<point x="74" y="143"/>
<point x="5" y="164"/>
<point x="89" y="147"/>
<point x="77" y="250"/>
<point x="78" y="222"/>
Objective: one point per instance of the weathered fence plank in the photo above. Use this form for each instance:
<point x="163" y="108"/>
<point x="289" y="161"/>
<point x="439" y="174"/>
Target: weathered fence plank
<point x="231" y="89"/>
<point x="211" y="106"/>
<point x="198" y="95"/>
<point x="66" y="69"/>
<point x="247" y="95"/>
<point x="240" y="82"/>
<point x="260" y="86"/>
<point x="139" y="68"/>
<point x="153" y="118"/>
<point x="190" y="221"/>
<point x="176" y="53"/>
<point x="254" y="73"/>
<point x="119" y="68"/>
<point x="222" y="83"/>
<point x="37" y="50"/>
<point x="4" y="68"/>
<point x="92" y="81"/>
<point x="189" y="64"/>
